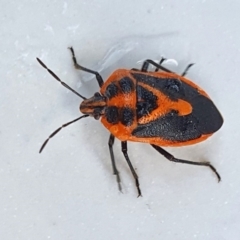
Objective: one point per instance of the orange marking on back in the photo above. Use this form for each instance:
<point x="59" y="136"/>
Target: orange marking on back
<point x="165" y="105"/>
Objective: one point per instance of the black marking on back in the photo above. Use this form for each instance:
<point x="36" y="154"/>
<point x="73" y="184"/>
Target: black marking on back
<point x="127" y="116"/>
<point x="126" y="85"/>
<point x="111" y="91"/>
<point x="111" y="114"/>
<point x="146" y="102"/>
<point x="171" y="87"/>
<point x="170" y="127"/>
<point x="204" y="119"/>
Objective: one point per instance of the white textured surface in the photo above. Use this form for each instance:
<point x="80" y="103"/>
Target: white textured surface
<point x="68" y="192"/>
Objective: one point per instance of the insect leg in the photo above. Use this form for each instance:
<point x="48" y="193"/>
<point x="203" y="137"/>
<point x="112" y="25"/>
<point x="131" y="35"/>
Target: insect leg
<point x="186" y="69"/>
<point x="158" y="66"/>
<point x="77" y="66"/>
<point x="115" y="171"/>
<point x="124" y="150"/>
<point x="173" y="159"/>
<point x="160" y="63"/>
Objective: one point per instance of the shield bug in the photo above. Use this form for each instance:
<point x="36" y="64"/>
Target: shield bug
<point x="157" y="107"/>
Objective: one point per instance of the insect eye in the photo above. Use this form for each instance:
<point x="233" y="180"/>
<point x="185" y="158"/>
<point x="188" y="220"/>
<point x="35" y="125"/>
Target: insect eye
<point x="97" y="94"/>
<point x="97" y="112"/>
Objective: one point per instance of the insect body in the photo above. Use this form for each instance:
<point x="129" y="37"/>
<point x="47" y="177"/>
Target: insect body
<point x="161" y="108"/>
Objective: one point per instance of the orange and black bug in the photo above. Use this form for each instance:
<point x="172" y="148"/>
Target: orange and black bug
<point x="159" y="108"/>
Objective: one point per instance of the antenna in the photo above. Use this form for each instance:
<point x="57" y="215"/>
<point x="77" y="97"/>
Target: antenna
<point x="69" y="88"/>
<point x="58" y="79"/>
<point x="57" y="130"/>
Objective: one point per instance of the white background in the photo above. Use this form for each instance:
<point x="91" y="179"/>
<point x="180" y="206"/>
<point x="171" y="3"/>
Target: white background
<point x="68" y="192"/>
